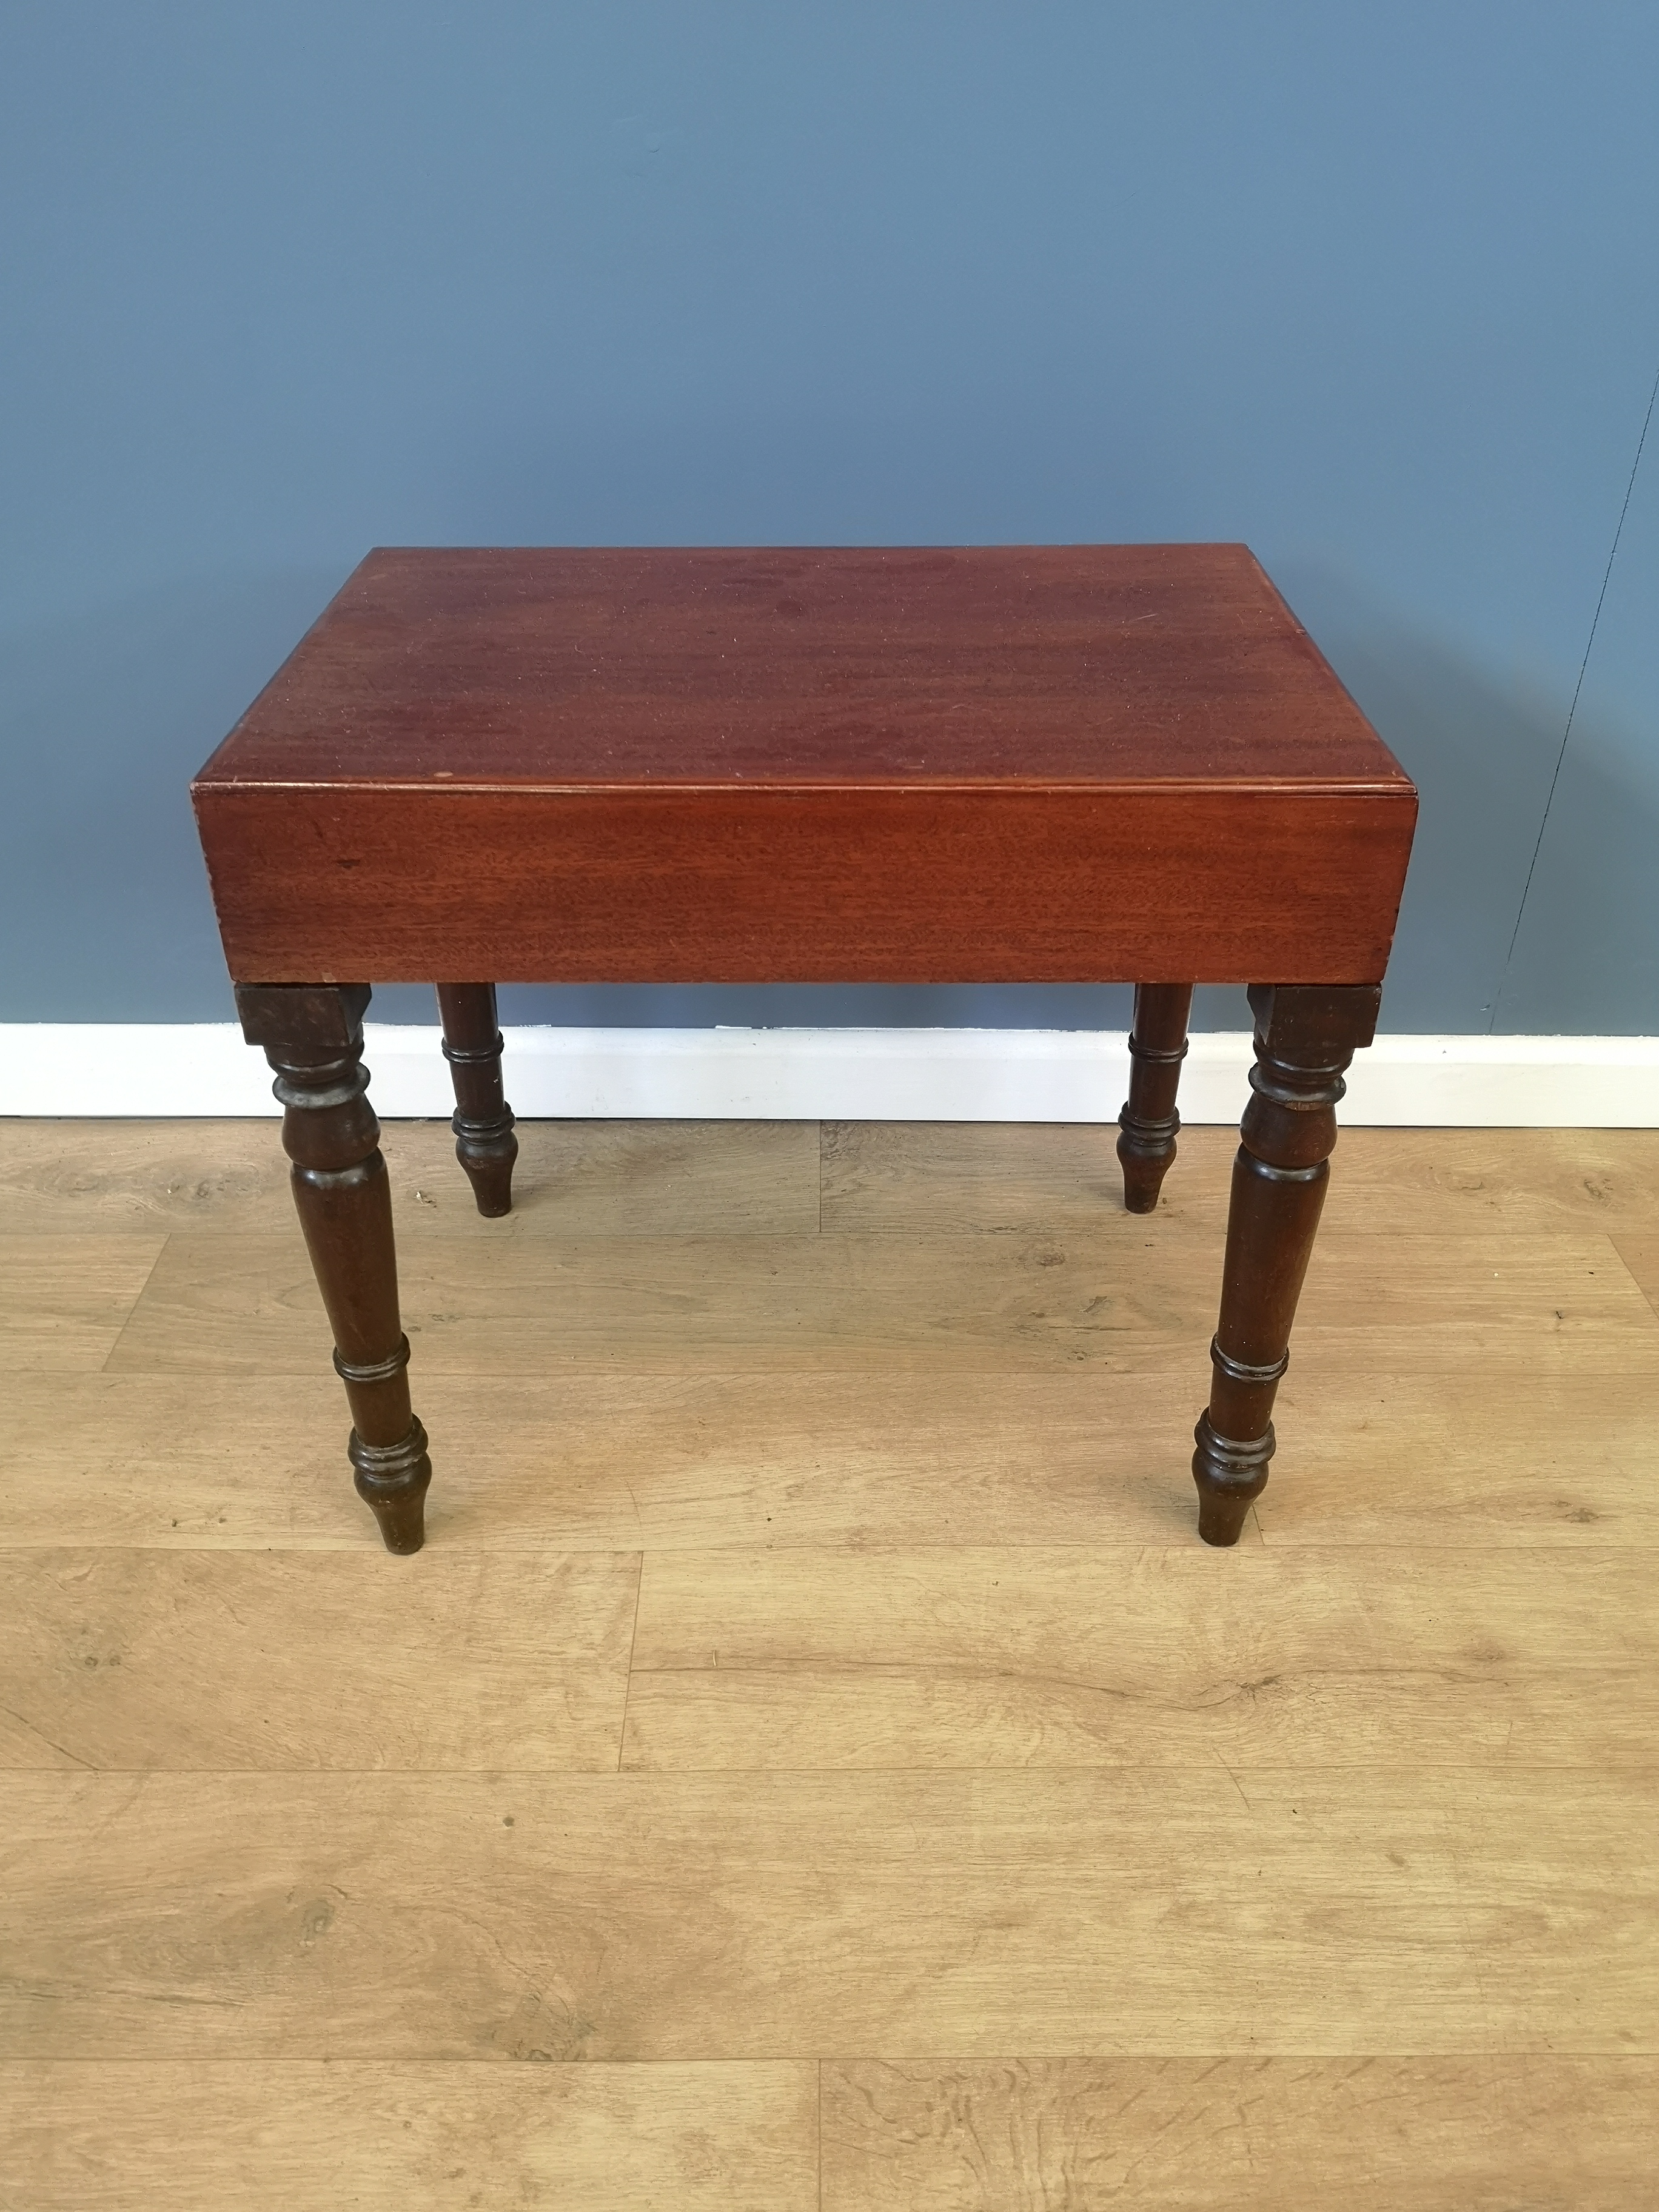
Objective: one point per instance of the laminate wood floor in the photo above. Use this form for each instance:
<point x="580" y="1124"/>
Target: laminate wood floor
<point x="814" y="1766"/>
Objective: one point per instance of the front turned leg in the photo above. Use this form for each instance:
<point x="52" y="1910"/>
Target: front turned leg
<point x="313" y="1034"/>
<point x="484" y="1143"/>
<point x="1305" y="1035"/>
<point x="1148" y="1123"/>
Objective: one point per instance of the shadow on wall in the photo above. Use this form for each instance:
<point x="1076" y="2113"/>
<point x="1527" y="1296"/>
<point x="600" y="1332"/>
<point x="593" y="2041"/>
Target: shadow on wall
<point x="1482" y="754"/>
<point x="105" y="916"/>
<point x="1587" y="960"/>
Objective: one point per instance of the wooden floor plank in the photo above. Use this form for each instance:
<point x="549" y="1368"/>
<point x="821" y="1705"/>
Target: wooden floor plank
<point x="1371" y="2134"/>
<point x="612" y="1462"/>
<point x="573" y="1179"/>
<point x="127" y="1659"/>
<point x="65" y="1300"/>
<point x="615" y="1462"/>
<point x="690" y="1304"/>
<point x="796" y="1659"/>
<point x="308" y="2136"/>
<point x="614" y="1178"/>
<point x="942" y="1178"/>
<point x="1482" y="1457"/>
<point x="1150" y="1913"/>
<point x="1321" y="1872"/>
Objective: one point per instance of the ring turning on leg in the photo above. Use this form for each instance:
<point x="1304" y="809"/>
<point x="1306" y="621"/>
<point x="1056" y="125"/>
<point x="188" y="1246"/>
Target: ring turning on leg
<point x="1148" y="1123"/>
<point x="1305" y="1036"/>
<point x="484" y="1143"/>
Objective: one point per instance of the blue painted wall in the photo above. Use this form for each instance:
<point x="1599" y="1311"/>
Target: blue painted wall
<point x="1374" y="288"/>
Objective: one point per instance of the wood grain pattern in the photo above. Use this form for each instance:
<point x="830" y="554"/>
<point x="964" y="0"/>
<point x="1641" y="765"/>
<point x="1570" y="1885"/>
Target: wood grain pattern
<point x="616" y="1462"/>
<point x="1172" y="1912"/>
<point x="274" y="1987"/>
<point x="933" y="1178"/>
<point x="574" y="1178"/>
<point x="1022" y="1657"/>
<point x="307" y="2135"/>
<point x="1116" y="1299"/>
<point x="581" y="1178"/>
<point x="830" y="886"/>
<point x="600" y="666"/>
<point x="897" y="763"/>
<point x="130" y="1660"/>
<point x="64" y="1303"/>
<point x="1547" y="1459"/>
<point x="1373" y="2135"/>
<point x="610" y="1462"/>
<point x="771" y="1178"/>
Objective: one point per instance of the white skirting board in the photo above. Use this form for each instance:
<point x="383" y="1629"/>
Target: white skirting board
<point x="834" y="1075"/>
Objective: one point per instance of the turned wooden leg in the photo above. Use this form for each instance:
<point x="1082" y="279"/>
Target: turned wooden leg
<point x="1305" y="1035"/>
<point x="1158" y="1045"/>
<point x="484" y="1143"/>
<point x="313" y="1034"/>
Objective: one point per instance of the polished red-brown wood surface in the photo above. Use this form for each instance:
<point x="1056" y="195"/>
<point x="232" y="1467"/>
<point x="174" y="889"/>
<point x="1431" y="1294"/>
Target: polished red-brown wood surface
<point x="979" y="764"/>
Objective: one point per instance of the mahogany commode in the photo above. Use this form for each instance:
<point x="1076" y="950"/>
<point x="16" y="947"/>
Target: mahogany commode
<point x="983" y="764"/>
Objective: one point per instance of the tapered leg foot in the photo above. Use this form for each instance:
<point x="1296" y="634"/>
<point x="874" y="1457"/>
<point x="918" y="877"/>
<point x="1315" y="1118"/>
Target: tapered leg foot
<point x="1305" y="1036"/>
<point x="1149" y="1121"/>
<point x="1143" y="1179"/>
<point x="489" y="1170"/>
<point x="483" y="1121"/>
<point x="392" y="1481"/>
<point x="1231" y="1477"/>
<point x="313" y="1035"/>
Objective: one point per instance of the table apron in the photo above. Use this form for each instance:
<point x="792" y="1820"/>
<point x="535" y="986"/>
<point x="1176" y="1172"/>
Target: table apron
<point x="339" y="883"/>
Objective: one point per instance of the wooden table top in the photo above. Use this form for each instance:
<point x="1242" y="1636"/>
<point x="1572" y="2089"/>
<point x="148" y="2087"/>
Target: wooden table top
<point x="1059" y="763"/>
<point x="1096" y="666"/>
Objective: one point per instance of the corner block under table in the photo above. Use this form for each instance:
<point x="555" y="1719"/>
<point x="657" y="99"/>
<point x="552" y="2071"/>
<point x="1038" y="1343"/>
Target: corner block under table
<point x="981" y="764"/>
